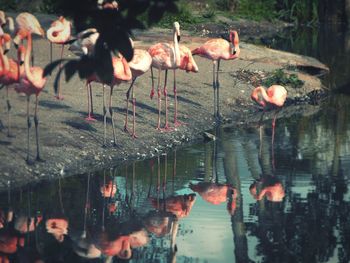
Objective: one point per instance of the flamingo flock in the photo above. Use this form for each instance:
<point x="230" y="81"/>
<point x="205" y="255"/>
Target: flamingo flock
<point x="25" y="78"/>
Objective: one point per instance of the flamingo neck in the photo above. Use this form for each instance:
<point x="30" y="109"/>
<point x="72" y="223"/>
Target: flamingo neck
<point x="11" y="24"/>
<point x="176" y="49"/>
<point x="264" y="95"/>
<point x="4" y="61"/>
<point x="27" y="71"/>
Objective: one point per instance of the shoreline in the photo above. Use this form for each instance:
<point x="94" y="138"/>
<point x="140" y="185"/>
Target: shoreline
<point x="71" y="146"/>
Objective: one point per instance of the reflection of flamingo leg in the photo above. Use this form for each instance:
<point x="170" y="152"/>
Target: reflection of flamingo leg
<point x="217" y="84"/>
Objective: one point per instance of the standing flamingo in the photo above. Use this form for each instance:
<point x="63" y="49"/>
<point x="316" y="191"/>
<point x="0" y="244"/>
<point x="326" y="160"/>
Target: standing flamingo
<point x="139" y="65"/>
<point x="84" y="45"/>
<point x="29" y="22"/>
<point x="11" y="71"/>
<point x="31" y="82"/>
<point x="275" y="96"/>
<point x="6" y="21"/>
<point x="216" y="49"/>
<point x="165" y="56"/>
<point x="59" y="33"/>
<point x="121" y="72"/>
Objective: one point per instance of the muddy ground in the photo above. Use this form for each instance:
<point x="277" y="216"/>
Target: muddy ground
<point x="70" y="145"/>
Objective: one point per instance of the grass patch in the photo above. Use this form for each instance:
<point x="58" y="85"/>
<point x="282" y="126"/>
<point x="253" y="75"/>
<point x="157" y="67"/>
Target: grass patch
<point x="280" y="78"/>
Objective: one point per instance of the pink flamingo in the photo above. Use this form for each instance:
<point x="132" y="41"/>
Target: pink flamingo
<point x="139" y="65"/>
<point x="59" y="33"/>
<point x="31" y="82"/>
<point x="6" y="21"/>
<point x="216" y="49"/>
<point x="274" y="96"/>
<point x="30" y="23"/>
<point x="188" y="64"/>
<point x="121" y="72"/>
<point x="216" y="194"/>
<point x="11" y="72"/>
<point x="165" y="56"/>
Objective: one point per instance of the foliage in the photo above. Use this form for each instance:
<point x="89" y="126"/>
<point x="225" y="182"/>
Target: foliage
<point x="114" y="27"/>
<point x="257" y="9"/>
<point x="281" y="78"/>
<point x="227" y="5"/>
<point x="298" y="11"/>
<point x="184" y="15"/>
<point x="8" y="4"/>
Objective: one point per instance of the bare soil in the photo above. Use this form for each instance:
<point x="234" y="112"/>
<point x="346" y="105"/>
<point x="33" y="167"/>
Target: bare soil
<point x="70" y="145"/>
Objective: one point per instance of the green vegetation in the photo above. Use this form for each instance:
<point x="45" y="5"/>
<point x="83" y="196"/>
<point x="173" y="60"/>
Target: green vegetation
<point x="281" y="78"/>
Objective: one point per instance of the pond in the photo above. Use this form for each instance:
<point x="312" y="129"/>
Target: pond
<point x="255" y="194"/>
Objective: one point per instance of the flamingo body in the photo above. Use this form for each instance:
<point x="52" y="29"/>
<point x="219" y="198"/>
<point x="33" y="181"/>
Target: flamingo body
<point x="216" y="49"/>
<point x="275" y="95"/>
<point x="59" y="31"/>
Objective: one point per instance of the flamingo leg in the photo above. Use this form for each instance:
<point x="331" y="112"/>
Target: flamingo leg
<point x="91" y="101"/>
<point x="127" y="105"/>
<point x="112" y="119"/>
<point x="8" y="113"/>
<point x="159" y="101"/>
<point x="273" y="140"/>
<point x="214" y="87"/>
<point x="29" y="124"/>
<point x="88" y="91"/>
<point x="165" y="92"/>
<point x="134" y="114"/>
<point x="104" y="117"/>
<point x="218" y="115"/>
<point x="176" y="122"/>
<point x="51" y="57"/>
<point x="152" y="78"/>
<point x="36" y="122"/>
<point x="59" y="97"/>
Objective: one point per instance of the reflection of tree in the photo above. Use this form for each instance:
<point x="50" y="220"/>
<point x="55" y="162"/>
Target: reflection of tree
<point x="232" y="178"/>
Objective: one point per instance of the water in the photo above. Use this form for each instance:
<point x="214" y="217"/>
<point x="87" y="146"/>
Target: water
<point x="241" y="198"/>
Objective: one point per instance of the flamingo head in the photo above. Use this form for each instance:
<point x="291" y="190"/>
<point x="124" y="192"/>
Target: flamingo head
<point x="255" y="96"/>
<point x="20" y="35"/>
<point x="177" y="30"/>
<point x="234" y="42"/>
<point x="6" y="39"/>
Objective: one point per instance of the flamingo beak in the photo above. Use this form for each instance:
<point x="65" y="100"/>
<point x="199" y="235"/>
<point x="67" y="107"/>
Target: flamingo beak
<point x="178" y="38"/>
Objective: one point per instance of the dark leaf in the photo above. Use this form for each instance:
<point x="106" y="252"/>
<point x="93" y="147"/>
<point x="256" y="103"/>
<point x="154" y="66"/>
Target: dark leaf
<point x="50" y="67"/>
<point x="103" y="60"/>
<point x="86" y="67"/>
<point x="57" y="79"/>
<point x="70" y="68"/>
<point x="71" y="41"/>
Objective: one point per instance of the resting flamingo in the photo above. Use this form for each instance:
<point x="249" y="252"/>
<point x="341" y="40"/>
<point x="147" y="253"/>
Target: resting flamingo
<point x="216" y="49"/>
<point x="59" y="33"/>
<point x="165" y="56"/>
<point x="275" y="96"/>
<point x="11" y="72"/>
<point x="31" y="82"/>
<point x="139" y="65"/>
<point x="121" y="72"/>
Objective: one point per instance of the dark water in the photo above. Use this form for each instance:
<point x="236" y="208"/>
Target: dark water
<point x="241" y="198"/>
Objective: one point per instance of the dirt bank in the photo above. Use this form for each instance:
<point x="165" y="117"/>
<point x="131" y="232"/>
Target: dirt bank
<point x="70" y="145"/>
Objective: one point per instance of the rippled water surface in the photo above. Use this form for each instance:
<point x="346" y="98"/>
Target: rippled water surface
<point x="235" y="199"/>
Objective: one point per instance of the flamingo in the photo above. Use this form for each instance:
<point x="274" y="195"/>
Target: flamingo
<point x="31" y="82"/>
<point x="84" y="45"/>
<point x="139" y="65"/>
<point x="216" y="194"/>
<point x="216" y="49"/>
<point x="165" y="56"/>
<point x="6" y="21"/>
<point x="11" y="72"/>
<point x="275" y="96"/>
<point x="59" y="33"/>
<point x="121" y="72"/>
<point x="188" y="64"/>
<point x="30" y="23"/>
